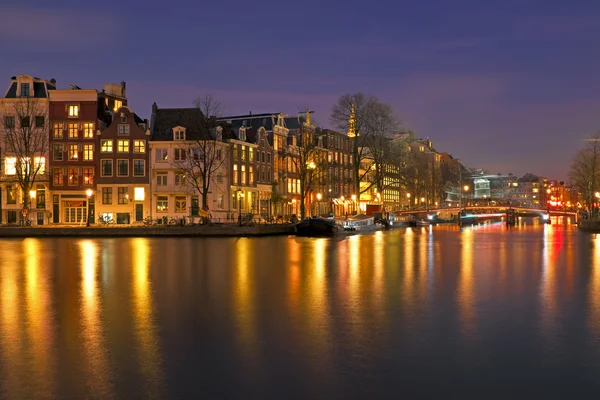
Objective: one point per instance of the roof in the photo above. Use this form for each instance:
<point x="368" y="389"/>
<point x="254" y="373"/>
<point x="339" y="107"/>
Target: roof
<point x="40" y="88"/>
<point x="294" y="122"/>
<point x="253" y="121"/>
<point x="192" y="119"/>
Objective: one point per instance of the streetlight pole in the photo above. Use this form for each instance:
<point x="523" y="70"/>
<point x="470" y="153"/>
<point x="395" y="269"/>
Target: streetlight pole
<point x="240" y="197"/>
<point x="319" y="197"/>
<point x="89" y="195"/>
<point x="31" y="198"/>
<point x="408" y="201"/>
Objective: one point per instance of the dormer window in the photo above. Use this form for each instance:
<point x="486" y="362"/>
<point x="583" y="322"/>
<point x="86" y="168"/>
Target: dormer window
<point x="73" y="111"/>
<point x="179" y="135"/>
<point x="219" y="133"/>
<point x="242" y="134"/>
<point x="25" y="90"/>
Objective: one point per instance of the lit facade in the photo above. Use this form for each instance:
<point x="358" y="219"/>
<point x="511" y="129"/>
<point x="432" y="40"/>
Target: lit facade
<point x="122" y="165"/>
<point x="25" y="109"/>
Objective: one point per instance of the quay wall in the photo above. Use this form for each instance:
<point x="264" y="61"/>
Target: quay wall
<point x="142" y="231"/>
<point x="589" y="225"/>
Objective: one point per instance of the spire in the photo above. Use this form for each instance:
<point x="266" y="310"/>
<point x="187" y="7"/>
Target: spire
<point x="307" y="118"/>
<point x="352" y="123"/>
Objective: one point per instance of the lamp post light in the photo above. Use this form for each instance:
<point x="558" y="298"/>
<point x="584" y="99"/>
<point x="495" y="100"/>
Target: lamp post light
<point x="89" y="195"/>
<point x="408" y="200"/>
<point x="240" y="194"/>
<point x="319" y="197"/>
<point x="31" y="198"/>
<point x="466" y="189"/>
<point x="354" y="204"/>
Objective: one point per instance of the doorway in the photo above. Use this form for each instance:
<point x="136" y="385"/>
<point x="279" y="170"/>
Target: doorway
<point x="139" y="212"/>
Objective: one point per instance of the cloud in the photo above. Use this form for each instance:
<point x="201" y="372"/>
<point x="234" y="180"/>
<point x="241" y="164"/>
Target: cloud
<point x="62" y="27"/>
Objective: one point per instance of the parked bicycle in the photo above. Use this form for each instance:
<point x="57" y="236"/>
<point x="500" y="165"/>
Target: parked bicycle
<point x="105" y="219"/>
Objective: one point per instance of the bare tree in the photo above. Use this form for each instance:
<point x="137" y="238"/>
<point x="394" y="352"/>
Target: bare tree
<point x="373" y="122"/>
<point x="309" y="162"/>
<point x="25" y="126"/>
<point x="204" y="151"/>
<point x="585" y="169"/>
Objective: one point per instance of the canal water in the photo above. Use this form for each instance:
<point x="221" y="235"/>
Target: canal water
<point x="410" y="313"/>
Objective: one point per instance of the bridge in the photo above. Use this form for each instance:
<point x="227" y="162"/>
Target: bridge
<point x="490" y="212"/>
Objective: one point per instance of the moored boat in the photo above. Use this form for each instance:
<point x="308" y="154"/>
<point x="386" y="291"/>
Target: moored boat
<point x="316" y="227"/>
<point x="360" y="224"/>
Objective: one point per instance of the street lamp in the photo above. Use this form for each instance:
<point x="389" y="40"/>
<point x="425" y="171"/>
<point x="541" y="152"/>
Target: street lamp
<point x="466" y="189"/>
<point x="31" y="198"/>
<point x="89" y="195"/>
<point x="240" y="194"/>
<point x="354" y="203"/>
<point x="408" y="199"/>
<point x="319" y="197"/>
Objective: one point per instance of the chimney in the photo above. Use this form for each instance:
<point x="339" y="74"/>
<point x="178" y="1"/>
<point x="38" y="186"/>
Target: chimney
<point x="154" y="108"/>
<point x="123" y="89"/>
<point x="53" y="81"/>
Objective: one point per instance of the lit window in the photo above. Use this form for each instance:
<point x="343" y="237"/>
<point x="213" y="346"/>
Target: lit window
<point x="88" y="176"/>
<point x="73" y="130"/>
<point x="88" y="130"/>
<point x="88" y="152"/>
<point x="10" y="166"/>
<point x="107" y="146"/>
<point x="123" y="146"/>
<point x="73" y="111"/>
<point x="72" y="152"/>
<point x="139" y="194"/>
<point x="243" y="174"/>
<point x="73" y="177"/>
<point x="39" y="163"/>
<point x="235" y="174"/>
<point x="58" y="130"/>
<point x="162" y="204"/>
<point x="58" y="176"/>
<point x="118" y="104"/>
<point x="139" y="146"/>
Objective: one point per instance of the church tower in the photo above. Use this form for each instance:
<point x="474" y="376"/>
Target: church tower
<point x="352" y="123"/>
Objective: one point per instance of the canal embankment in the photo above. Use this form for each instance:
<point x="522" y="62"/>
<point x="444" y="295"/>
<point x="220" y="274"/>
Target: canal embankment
<point x="217" y="230"/>
<point x="589" y="225"/>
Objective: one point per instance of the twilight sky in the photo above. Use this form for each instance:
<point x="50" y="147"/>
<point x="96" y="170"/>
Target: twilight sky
<point x="510" y="86"/>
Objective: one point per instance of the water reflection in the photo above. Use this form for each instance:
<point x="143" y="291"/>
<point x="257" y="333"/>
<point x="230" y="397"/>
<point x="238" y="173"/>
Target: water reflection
<point x="148" y="347"/>
<point x="548" y="288"/>
<point x="311" y="318"/>
<point x="97" y="367"/>
<point x="11" y="341"/>
<point x="244" y="302"/>
<point x="466" y="289"/>
<point x="40" y="331"/>
<point x="594" y="290"/>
